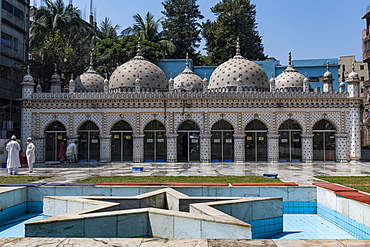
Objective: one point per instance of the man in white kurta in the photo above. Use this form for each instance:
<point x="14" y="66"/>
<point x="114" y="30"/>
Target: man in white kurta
<point x="30" y="153"/>
<point x="71" y="152"/>
<point x="13" y="162"/>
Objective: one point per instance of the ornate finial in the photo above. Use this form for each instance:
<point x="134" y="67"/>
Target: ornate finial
<point x="187" y="60"/>
<point x="238" y="47"/>
<point x="71" y="76"/>
<point x="305" y="74"/>
<point x="170" y="75"/>
<point x="272" y="75"/>
<point x="106" y="75"/>
<point x="353" y="67"/>
<point x="205" y="74"/>
<point x="55" y="68"/>
<point x="290" y="58"/>
<point x="327" y="65"/>
<point x="91" y="59"/>
<point x="28" y="69"/>
<point x="139" y="48"/>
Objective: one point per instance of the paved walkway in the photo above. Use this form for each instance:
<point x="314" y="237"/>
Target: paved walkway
<point x="301" y="173"/>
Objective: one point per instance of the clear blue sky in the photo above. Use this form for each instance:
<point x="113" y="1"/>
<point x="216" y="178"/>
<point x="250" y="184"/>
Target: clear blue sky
<point x="308" y="28"/>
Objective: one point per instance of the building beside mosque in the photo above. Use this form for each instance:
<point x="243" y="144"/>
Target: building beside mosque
<point x="237" y="115"/>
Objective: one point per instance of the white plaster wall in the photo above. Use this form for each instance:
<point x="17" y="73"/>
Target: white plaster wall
<point x="11" y="196"/>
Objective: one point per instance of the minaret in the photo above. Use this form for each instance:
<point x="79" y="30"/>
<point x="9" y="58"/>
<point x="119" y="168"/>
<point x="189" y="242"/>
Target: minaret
<point x="353" y="82"/>
<point x="137" y="83"/>
<point x="106" y="83"/>
<point x="354" y="136"/>
<point x="72" y="85"/>
<point x="27" y="85"/>
<point x="272" y="83"/>
<point x="306" y="83"/>
<point x="171" y="82"/>
<point x="26" y="113"/>
<point x="55" y="86"/>
<point x="205" y="83"/>
<point x="328" y="80"/>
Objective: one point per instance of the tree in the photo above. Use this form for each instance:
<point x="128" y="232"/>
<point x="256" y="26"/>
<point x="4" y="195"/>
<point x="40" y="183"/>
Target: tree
<point x="235" y="18"/>
<point x="59" y="36"/>
<point x="110" y="53"/>
<point x="107" y="30"/>
<point x="181" y="19"/>
<point x="148" y="29"/>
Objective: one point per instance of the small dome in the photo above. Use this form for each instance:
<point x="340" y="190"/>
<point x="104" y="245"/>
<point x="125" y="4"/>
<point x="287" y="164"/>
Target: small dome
<point x="55" y="77"/>
<point x="328" y="74"/>
<point x="90" y="80"/>
<point x="188" y="79"/>
<point x="306" y="79"/>
<point x="227" y="74"/>
<point x="151" y="75"/>
<point x="289" y="78"/>
<point x="353" y="76"/>
<point x="28" y="78"/>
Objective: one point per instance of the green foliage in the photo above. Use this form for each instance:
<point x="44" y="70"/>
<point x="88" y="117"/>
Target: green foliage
<point x="181" y="20"/>
<point x="20" y="179"/>
<point x="110" y="53"/>
<point x="181" y="179"/>
<point x="235" y="18"/>
<point x="148" y="29"/>
<point x="58" y="35"/>
<point x="361" y="183"/>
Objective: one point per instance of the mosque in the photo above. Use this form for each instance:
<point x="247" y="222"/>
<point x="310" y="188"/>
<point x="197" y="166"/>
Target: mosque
<point x="237" y="115"/>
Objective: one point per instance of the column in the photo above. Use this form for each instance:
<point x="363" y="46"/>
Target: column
<point x="239" y="147"/>
<point x="105" y="148"/>
<point x="341" y="148"/>
<point x="273" y="147"/>
<point x="307" y="148"/>
<point x="26" y="128"/>
<point x="39" y="142"/>
<point x="171" y="148"/>
<point x="138" y="152"/>
<point x="205" y="147"/>
<point x="355" y="134"/>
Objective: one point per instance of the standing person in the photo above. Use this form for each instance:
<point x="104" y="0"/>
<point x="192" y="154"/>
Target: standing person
<point x="62" y="151"/>
<point x="30" y="153"/>
<point x="72" y="152"/>
<point x="13" y="162"/>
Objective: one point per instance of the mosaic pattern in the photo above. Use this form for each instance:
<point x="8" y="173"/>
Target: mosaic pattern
<point x="130" y="118"/>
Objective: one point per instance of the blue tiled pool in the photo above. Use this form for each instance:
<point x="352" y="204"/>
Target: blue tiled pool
<point x="15" y="227"/>
<point x="310" y="226"/>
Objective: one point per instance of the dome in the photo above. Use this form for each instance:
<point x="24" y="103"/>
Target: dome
<point x="328" y="74"/>
<point x="28" y="78"/>
<point x="151" y="76"/>
<point x="289" y="78"/>
<point x="90" y="81"/>
<point x="227" y="74"/>
<point x="187" y="79"/>
<point x="353" y="76"/>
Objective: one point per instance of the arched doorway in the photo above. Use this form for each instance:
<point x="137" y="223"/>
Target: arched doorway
<point x="290" y="144"/>
<point x="55" y="134"/>
<point x="324" y="141"/>
<point x="256" y="141"/>
<point x="188" y="142"/>
<point x="155" y="143"/>
<point x="222" y="142"/>
<point x="89" y="142"/>
<point x="122" y="146"/>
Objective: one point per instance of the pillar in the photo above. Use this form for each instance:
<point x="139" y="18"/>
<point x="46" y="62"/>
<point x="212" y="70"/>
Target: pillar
<point x="341" y="148"/>
<point x="38" y="141"/>
<point x="105" y="148"/>
<point x="307" y="148"/>
<point x="273" y="147"/>
<point x="239" y="147"/>
<point x="355" y="134"/>
<point x="171" y="148"/>
<point x="205" y="147"/>
<point x="138" y="152"/>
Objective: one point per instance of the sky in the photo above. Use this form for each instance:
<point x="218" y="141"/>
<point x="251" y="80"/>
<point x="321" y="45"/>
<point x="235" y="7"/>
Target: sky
<point x="308" y="28"/>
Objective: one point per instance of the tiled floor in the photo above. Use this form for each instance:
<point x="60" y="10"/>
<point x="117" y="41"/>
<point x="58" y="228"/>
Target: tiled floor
<point x="310" y="226"/>
<point x="15" y="228"/>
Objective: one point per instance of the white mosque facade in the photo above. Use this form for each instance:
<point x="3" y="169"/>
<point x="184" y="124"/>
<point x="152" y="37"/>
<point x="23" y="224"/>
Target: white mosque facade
<point x="235" y="116"/>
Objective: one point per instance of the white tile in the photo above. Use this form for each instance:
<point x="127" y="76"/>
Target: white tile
<point x="161" y="225"/>
<point x="186" y="227"/>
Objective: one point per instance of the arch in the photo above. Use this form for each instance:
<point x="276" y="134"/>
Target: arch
<point x="142" y="127"/>
<point x="222" y="124"/>
<point x="90" y="125"/>
<point x="256" y="124"/>
<point x="121" y="120"/>
<point x="322" y="121"/>
<point x="54" y="121"/>
<point x="155" y="142"/>
<point x="154" y="124"/>
<point x="89" y="141"/>
<point x="290" y="124"/>
<point x="121" y="125"/>
<point x="55" y="134"/>
<point x="184" y="124"/>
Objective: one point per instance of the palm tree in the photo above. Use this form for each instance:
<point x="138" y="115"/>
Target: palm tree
<point x="107" y="30"/>
<point x="56" y="16"/>
<point x="148" y="29"/>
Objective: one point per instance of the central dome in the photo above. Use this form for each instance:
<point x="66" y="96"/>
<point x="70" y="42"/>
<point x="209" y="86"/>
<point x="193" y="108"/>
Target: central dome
<point x="227" y="74"/>
<point x="187" y="79"/>
<point x="150" y="75"/>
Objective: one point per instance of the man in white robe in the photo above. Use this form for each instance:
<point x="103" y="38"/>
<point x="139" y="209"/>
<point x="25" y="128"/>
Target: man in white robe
<point x="71" y="152"/>
<point x="13" y="162"/>
<point x="30" y="153"/>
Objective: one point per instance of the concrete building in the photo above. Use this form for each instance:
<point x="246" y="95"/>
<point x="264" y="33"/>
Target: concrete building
<point x="235" y="115"/>
<point x="14" y="27"/>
